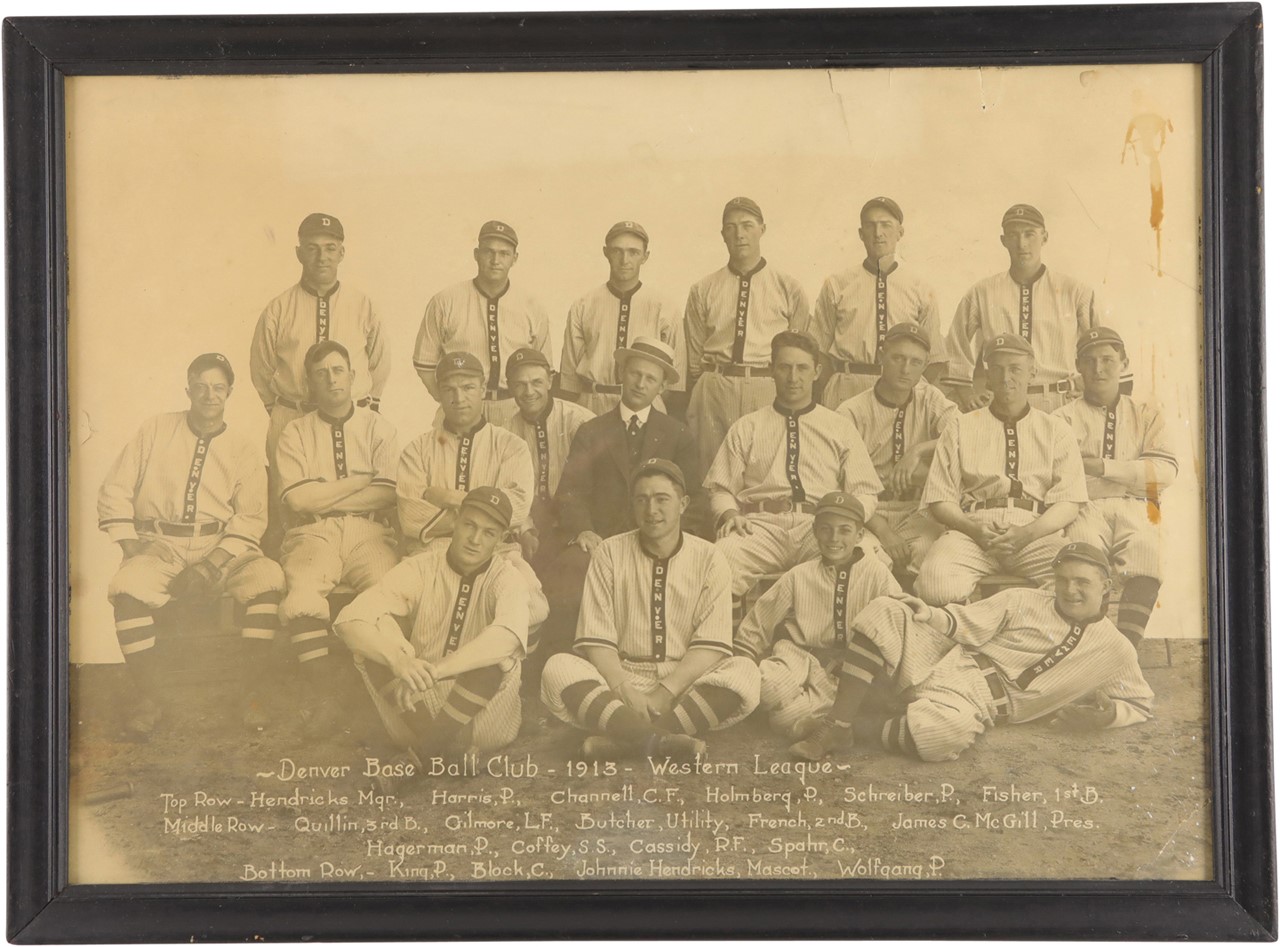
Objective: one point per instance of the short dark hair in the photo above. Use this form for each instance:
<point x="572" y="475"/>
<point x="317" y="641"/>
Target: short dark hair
<point x="793" y="340"/>
<point x="318" y="352"/>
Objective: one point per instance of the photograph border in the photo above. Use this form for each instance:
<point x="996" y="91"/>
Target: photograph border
<point x="1239" y="904"/>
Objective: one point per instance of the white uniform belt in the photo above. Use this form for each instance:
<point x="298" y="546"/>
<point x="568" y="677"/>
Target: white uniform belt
<point x="207" y="528"/>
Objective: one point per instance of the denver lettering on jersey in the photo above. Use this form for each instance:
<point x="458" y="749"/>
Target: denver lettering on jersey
<point x="1109" y="435"/>
<point x="1024" y="310"/>
<point x="658" y="608"/>
<point x="193" y="476"/>
<point x="495" y="355"/>
<point x="624" y="315"/>
<point x="744" y="303"/>
<point x="1011" y="455"/>
<point x="544" y="463"/>
<point x="793" y="453"/>
<point x="322" y="315"/>
<point x="462" y="470"/>
<point x="460" y="606"/>
<point x="882" y="305"/>
<point x="1051" y="658"/>
<point x="840" y="603"/>
<point x="899" y="432"/>
<point x="339" y="449"/>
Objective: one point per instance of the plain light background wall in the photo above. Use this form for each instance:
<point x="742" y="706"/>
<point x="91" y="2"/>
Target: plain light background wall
<point x="185" y="196"/>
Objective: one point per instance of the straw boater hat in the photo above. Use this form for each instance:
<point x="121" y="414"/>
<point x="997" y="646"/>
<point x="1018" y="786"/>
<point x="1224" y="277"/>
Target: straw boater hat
<point x="654" y="350"/>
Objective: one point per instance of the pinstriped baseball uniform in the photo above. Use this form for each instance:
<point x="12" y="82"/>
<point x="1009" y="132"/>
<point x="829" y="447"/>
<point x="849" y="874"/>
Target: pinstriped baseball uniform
<point x="854" y="310"/>
<point x="600" y="323"/>
<point x="548" y="439"/>
<point x="653" y="611"/>
<point x="463" y="319"/>
<point x="980" y="457"/>
<point x="1050" y="312"/>
<point x="354" y="548"/>
<point x="1010" y="658"/>
<point x="776" y="456"/>
<point x="1138" y="463"/>
<point x="808" y="611"/>
<point x="447" y="611"/>
<point x="730" y="319"/>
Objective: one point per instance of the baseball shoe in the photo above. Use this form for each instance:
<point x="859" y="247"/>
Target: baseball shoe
<point x="678" y="747"/>
<point x="801" y="729"/>
<point x="324" y="720"/>
<point x="825" y="740"/>
<point x="143" y="719"/>
<point x="599" y="748"/>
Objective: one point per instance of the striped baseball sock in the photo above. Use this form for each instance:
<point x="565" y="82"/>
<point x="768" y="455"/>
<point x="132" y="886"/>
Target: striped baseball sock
<point x="309" y="638"/>
<point x="1136" y="603"/>
<point x="136" y="633"/>
<point x="471" y="694"/>
<point x="862" y="664"/>
<point x="600" y="710"/>
<point x="703" y="707"/>
<point x="259" y="622"/>
<point x="895" y="736"/>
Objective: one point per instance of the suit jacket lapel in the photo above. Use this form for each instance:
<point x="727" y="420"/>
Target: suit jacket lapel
<point x="618" y="448"/>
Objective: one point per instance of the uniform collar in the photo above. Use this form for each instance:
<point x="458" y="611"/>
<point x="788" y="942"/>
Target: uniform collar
<point x="649" y="555"/>
<point x="1098" y="404"/>
<point x="210" y="435"/>
<point x="626" y="414"/>
<point x="847" y="564"/>
<point x="334" y="422"/>
<point x="476" y="284"/>
<point x="876" y="271"/>
<point x="1083" y="624"/>
<point x="752" y="272"/>
<point x="875" y="389"/>
<point x="311" y="292"/>
<point x="788" y="413"/>
<point x="478" y="570"/>
<point x="1026" y="409"/>
<point x="444" y="426"/>
<point x="623" y="294"/>
<point x="544" y="414"/>
<point x="1034" y="279"/>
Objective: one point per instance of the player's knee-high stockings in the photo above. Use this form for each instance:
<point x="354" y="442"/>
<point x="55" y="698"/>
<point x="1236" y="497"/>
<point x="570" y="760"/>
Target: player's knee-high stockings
<point x="309" y="639"/>
<point x="703" y="707"/>
<point x="1136" y="603"/>
<point x="858" y="672"/>
<point x="471" y="693"/>
<point x="892" y="733"/>
<point x="259" y="622"/>
<point x="136" y="633"/>
<point x="600" y="710"/>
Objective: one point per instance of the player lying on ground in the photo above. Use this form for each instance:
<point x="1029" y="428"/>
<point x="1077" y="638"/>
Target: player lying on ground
<point x="654" y="664"/>
<point x="1015" y="657"/>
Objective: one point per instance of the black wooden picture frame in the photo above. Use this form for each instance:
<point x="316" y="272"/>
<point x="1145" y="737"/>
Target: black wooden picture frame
<point x="1240" y="903"/>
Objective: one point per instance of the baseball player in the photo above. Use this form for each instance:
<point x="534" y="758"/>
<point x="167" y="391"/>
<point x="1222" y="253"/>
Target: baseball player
<point x="187" y="502"/>
<point x="899" y="419"/>
<point x="452" y="681"/>
<point x="1018" y="656"/>
<point x="316" y="309"/>
<point x="856" y="308"/>
<point x="776" y="463"/>
<point x="799" y="629"/>
<point x="654" y="665"/>
<point x="1128" y="462"/>
<point x="1005" y="481"/>
<point x="729" y="321"/>
<point x="485" y="317"/>
<point x="1047" y="309"/>
<point x="337" y="467"/>
<point x="609" y="317"/>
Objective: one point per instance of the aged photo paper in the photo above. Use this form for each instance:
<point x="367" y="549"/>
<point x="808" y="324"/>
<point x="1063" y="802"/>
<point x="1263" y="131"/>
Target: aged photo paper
<point x="185" y="198"/>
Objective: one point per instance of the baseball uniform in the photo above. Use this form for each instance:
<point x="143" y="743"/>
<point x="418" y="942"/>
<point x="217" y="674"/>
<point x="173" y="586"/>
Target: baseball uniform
<point x="853" y="312"/>
<point x="548" y="439"/>
<point x="652" y="612"/>
<point x="1005" y="471"/>
<point x="774" y="466"/>
<point x="799" y="629"/>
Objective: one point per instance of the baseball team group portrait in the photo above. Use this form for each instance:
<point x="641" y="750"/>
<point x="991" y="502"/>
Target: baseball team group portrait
<point x="600" y="449"/>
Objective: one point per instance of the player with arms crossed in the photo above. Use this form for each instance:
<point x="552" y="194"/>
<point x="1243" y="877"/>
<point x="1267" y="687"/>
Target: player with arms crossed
<point x="186" y="500"/>
<point x="655" y="665"/>
<point x="1017" y="656"/>
<point x="1128" y="462"/>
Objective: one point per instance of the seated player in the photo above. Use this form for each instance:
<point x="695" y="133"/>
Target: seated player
<point x="337" y="473"/>
<point x="186" y="500"/>
<point x="799" y="630"/>
<point x="1017" y="656"/>
<point x="1128" y="462"/>
<point x="776" y="463"/>
<point x="654" y="666"/>
<point x="900" y="418"/>
<point x="1006" y="480"/>
<point x="452" y="681"/>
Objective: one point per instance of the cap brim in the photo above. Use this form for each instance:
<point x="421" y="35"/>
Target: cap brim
<point x="620" y="357"/>
<point x="1073" y="557"/>
<point x="487" y="510"/>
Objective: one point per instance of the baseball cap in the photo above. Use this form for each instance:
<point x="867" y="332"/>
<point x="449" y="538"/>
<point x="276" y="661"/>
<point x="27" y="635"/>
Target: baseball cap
<point x="1102" y="335"/>
<point x="842" y="504"/>
<point x="884" y="203"/>
<point x="1084" y="552"/>
<point x="1010" y="342"/>
<point x="907" y="330"/>
<point x="1022" y="213"/>
<point x="627" y="226"/>
<point x="491" y="501"/>
<point x="659" y="465"/>
<point x="655" y="350"/>
<point x="526" y="356"/>
<point x="496" y="228"/>
<point x="743" y="204"/>
<point x="321" y="223"/>
<point x="210" y="360"/>
<point x="459" y="363"/>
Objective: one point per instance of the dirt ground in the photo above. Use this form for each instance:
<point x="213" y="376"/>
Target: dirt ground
<point x="1026" y="802"/>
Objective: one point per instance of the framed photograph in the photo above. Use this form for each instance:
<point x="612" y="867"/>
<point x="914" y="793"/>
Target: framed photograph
<point x="673" y="475"/>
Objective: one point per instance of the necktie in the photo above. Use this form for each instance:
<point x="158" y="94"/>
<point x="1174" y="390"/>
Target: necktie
<point x="633" y="438"/>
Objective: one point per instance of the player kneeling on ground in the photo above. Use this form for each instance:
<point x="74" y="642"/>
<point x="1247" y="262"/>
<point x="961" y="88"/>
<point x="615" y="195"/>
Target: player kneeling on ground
<point x="808" y="611"/>
<point x="454" y="682"/>
<point x="1012" y="658"/>
<point x="654" y="666"/>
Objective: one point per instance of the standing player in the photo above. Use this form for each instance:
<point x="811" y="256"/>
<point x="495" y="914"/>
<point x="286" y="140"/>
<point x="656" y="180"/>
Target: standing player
<point x="609" y="317"/>
<point x="1128" y="462"/>
<point x="485" y="317"/>
<point x="1015" y="657"/>
<point x="899" y="419"/>
<point x="856" y="309"/>
<point x="453" y="681"/>
<point x="337" y="467"/>
<point x="1047" y="309"/>
<point x="1005" y="481"/>
<point x="187" y="503"/>
<point x="317" y="309"/>
<point x="774" y="466"/>
<point x="729" y="320"/>
<point x="655" y="665"/>
<point x="799" y="630"/>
